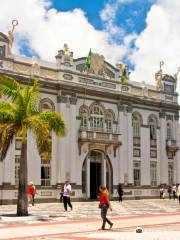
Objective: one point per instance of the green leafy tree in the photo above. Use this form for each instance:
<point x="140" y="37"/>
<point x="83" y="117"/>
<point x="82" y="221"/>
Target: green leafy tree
<point x="19" y="113"/>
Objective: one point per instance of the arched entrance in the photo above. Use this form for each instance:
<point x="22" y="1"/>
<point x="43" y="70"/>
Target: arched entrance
<point x="96" y="171"/>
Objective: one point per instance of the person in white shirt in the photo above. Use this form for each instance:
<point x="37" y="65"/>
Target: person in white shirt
<point x="66" y="195"/>
<point x="178" y="192"/>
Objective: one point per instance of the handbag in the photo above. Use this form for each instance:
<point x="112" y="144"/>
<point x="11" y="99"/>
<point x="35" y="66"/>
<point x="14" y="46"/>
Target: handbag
<point x="99" y="206"/>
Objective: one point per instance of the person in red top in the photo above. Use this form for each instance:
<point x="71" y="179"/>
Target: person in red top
<point x="104" y="205"/>
<point x="31" y="192"/>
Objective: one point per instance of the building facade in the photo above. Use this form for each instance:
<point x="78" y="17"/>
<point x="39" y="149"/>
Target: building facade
<point x="127" y="134"/>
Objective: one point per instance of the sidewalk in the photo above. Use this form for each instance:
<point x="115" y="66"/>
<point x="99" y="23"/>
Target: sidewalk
<point x="159" y="219"/>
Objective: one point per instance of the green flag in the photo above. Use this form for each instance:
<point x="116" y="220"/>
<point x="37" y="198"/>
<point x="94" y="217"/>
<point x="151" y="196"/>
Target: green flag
<point x="124" y="76"/>
<point x="88" y="60"/>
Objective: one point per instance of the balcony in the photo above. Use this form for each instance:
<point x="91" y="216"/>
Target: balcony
<point x="99" y="139"/>
<point x="171" y="146"/>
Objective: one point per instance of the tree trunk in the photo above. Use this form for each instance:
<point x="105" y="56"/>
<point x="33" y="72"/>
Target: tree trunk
<point x="22" y="202"/>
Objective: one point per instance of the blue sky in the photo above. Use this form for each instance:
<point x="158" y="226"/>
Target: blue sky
<point x="131" y="15"/>
<point x="138" y="32"/>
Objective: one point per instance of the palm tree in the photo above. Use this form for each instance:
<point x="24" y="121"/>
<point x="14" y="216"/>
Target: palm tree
<point x="19" y="112"/>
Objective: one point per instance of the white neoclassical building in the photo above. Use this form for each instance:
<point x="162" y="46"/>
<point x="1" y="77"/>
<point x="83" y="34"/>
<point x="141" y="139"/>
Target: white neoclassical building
<point x="116" y="134"/>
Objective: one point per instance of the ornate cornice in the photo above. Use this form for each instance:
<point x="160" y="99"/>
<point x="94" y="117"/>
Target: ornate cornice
<point x="62" y="99"/>
<point x="73" y="100"/>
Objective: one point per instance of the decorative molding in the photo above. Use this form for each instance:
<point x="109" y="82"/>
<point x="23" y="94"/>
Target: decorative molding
<point x="62" y="99"/>
<point x="68" y="76"/>
<point x="73" y="100"/>
<point x="153" y="153"/>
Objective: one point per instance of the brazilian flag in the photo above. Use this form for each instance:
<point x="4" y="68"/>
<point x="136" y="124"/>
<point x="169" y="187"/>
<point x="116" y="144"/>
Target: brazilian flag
<point x="88" y="60"/>
<point x="124" y="76"/>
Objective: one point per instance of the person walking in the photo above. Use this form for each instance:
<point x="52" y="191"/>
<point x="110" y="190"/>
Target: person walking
<point x="174" y="191"/>
<point x="66" y="195"/>
<point x="120" y="192"/>
<point x="161" y="192"/>
<point x="61" y="194"/>
<point x="169" y="190"/>
<point x="104" y="205"/>
<point x="178" y="192"/>
<point x="31" y="193"/>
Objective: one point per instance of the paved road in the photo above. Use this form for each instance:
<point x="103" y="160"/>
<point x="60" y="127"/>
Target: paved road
<point x="159" y="219"/>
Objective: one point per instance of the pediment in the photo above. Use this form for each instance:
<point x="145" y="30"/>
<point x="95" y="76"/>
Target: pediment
<point x="99" y="67"/>
<point x="3" y="37"/>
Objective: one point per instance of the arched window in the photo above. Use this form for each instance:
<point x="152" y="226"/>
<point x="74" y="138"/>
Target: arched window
<point x="97" y="117"/>
<point x="169" y="131"/>
<point x="109" y="121"/>
<point x="83" y="112"/>
<point x="136" y="126"/>
<point x="46" y="105"/>
<point x="153" y="128"/>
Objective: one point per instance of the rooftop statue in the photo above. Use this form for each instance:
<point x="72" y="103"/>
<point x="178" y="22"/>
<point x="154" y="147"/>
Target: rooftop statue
<point x="158" y="77"/>
<point x="11" y="36"/>
<point x="66" y="51"/>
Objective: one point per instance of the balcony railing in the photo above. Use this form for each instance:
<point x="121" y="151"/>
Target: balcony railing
<point x="99" y="138"/>
<point x="98" y="135"/>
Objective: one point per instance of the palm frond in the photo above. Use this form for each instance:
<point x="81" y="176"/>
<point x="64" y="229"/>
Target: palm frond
<point x="38" y="126"/>
<point x="55" y="121"/>
<point x="9" y="87"/>
<point x="7" y="112"/>
<point x="7" y="131"/>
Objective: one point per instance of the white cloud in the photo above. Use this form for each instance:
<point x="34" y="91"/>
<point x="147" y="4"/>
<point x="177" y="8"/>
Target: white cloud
<point x="45" y="30"/>
<point x="158" y="41"/>
<point x="108" y="17"/>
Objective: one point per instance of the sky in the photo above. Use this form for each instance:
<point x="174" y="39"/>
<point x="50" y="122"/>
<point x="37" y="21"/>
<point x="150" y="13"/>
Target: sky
<point x="140" y="33"/>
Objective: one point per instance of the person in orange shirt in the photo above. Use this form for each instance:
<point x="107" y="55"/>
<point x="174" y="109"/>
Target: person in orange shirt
<point x="104" y="205"/>
<point x="31" y="192"/>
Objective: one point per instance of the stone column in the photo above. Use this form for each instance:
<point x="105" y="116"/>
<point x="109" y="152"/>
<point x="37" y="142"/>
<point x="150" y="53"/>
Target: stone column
<point x="62" y="143"/>
<point x="163" y="155"/>
<point x="103" y="170"/>
<point x="129" y="170"/>
<point x="88" y="177"/>
<point x="122" y="160"/>
<point x="177" y="156"/>
<point x="158" y="156"/>
<point x="73" y="139"/>
<point x="145" y="155"/>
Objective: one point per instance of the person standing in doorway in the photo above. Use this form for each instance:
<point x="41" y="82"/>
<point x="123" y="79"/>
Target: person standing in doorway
<point x="66" y="195"/>
<point x="174" y="191"/>
<point x="104" y="205"/>
<point x="120" y="192"/>
<point x="31" y="192"/>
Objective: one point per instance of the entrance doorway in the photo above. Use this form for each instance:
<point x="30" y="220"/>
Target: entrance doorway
<point x="96" y="171"/>
<point x="95" y="179"/>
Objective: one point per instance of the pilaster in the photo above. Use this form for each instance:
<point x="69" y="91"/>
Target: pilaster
<point x="145" y="155"/>
<point x="163" y="155"/>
